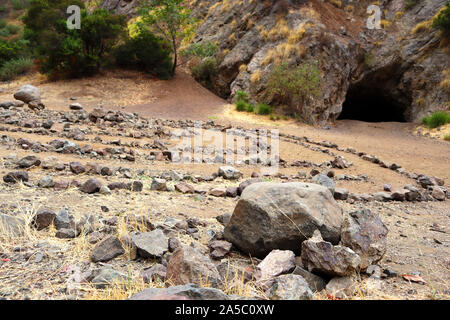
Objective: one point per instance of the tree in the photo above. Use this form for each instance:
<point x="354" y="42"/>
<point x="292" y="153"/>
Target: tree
<point x="171" y="20"/>
<point x="294" y="85"/>
<point x="70" y="52"/>
<point x="442" y="21"/>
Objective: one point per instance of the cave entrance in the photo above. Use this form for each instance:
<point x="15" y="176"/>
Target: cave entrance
<point x="371" y="105"/>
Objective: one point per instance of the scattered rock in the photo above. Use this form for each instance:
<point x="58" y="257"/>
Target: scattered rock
<point x="182" y="292"/>
<point x="156" y="272"/>
<point x="107" y="249"/>
<point x="324" y="181"/>
<point x="189" y="265"/>
<point x="230" y="173"/>
<point x="219" y="248"/>
<point x="28" y="161"/>
<point x="91" y="186"/>
<point x="365" y="233"/>
<point x="151" y="244"/>
<point x="341" y="287"/>
<point x="16" y="176"/>
<point x="290" y="287"/>
<point x="322" y="257"/>
<point x="276" y="263"/>
<point x="43" y="218"/>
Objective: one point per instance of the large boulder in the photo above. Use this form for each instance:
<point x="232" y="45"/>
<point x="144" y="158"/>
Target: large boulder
<point x="28" y="93"/>
<point x="365" y="233"/>
<point x="151" y="244"/>
<point x="281" y="215"/>
<point x="189" y="265"/>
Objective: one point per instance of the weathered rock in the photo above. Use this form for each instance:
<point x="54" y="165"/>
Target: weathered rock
<point x="154" y="273"/>
<point x="290" y="287"/>
<point x="64" y="220"/>
<point x="232" y="192"/>
<point x="437" y="193"/>
<point x="75" y="106"/>
<point x="183" y="187"/>
<point x="64" y="233"/>
<point x="382" y="196"/>
<point x="341" y="287"/>
<point x="107" y="249"/>
<point x="28" y="93"/>
<point x="76" y="167"/>
<point x="16" y="176"/>
<point x="224" y="218"/>
<point x="46" y="182"/>
<point x="91" y="186"/>
<point x="322" y="257"/>
<point x="28" y="161"/>
<point x="230" y="173"/>
<point x="189" y="265"/>
<point x="219" y="248"/>
<point x="218" y="192"/>
<point x="108" y="276"/>
<point x="151" y="244"/>
<point x="43" y="218"/>
<point x="246" y="183"/>
<point x="276" y="263"/>
<point x="324" y="181"/>
<point x="280" y="216"/>
<point x="365" y="233"/>
<point x="158" y="184"/>
<point x="341" y="194"/>
<point x="315" y="282"/>
<point x="189" y="291"/>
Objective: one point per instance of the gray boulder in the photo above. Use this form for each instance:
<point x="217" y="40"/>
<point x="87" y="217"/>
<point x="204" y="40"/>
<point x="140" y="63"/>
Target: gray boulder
<point x="28" y="93"/>
<point x="281" y="215"/>
<point x="325" y="181"/>
<point x="230" y="173"/>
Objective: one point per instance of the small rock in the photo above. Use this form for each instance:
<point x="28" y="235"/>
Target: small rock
<point x="107" y="249"/>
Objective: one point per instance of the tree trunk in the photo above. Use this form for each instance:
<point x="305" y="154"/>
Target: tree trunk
<point x="175" y="55"/>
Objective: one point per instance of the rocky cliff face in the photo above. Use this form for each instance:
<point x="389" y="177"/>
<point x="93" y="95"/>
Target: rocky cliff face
<point x="398" y="69"/>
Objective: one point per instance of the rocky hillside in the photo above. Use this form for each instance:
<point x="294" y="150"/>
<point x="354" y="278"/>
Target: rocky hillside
<point x="397" y="70"/>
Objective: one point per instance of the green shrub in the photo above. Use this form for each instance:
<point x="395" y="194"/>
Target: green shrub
<point x="13" y="29"/>
<point x="250" y="108"/>
<point x="13" y="68"/>
<point x="264" y="109"/>
<point x="12" y="49"/>
<point x="66" y="52"/>
<point x="4" y="33"/>
<point x="3" y="23"/>
<point x="241" y="95"/>
<point x="201" y="50"/>
<point x="19" y="4"/>
<point x="437" y="119"/>
<point x="241" y="105"/>
<point x="204" y="71"/>
<point x="447" y="137"/>
<point x="442" y="21"/>
<point x="145" y="52"/>
<point x="294" y="85"/>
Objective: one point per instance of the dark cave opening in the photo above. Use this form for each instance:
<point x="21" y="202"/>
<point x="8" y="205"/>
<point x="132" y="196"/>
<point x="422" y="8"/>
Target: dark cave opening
<point x="371" y="105"/>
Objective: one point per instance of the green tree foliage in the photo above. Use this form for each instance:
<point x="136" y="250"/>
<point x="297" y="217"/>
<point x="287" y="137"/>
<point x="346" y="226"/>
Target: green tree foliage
<point x="145" y="52"/>
<point x="66" y="52"/>
<point x="294" y="85"/>
<point x="171" y="20"/>
<point x="442" y="21"/>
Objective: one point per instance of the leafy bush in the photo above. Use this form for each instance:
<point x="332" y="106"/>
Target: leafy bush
<point x="250" y="108"/>
<point x="437" y="119"/>
<point x="204" y="71"/>
<point x="241" y="105"/>
<point x="442" y="21"/>
<point x="19" y="4"/>
<point x="3" y="23"/>
<point x="263" y="109"/>
<point x="201" y="50"/>
<point x="145" y="52"/>
<point x="11" y="49"/>
<point x="72" y="53"/>
<point x="14" y="68"/>
<point x="241" y="95"/>
<point x="13" y="29"/>
<point x="294" y="85"/>
<point x="447" y="137"/>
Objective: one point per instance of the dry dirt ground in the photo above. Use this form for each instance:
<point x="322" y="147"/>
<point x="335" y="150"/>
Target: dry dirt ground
<point x="41" y="266"/>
